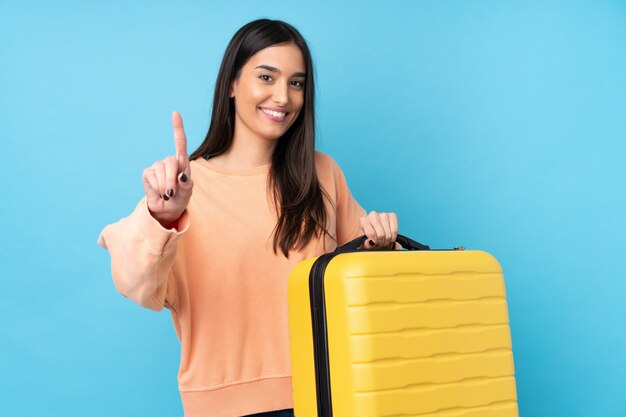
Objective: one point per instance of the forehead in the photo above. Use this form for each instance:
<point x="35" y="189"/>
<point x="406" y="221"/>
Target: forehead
<point x="287" y="58"/>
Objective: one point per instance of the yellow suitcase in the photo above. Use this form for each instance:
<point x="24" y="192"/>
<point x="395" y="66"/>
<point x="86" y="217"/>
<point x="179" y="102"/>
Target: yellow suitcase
<point x="400" y="333"/>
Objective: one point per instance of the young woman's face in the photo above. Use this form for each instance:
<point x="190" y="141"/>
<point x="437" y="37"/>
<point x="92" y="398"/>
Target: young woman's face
<point x="269" y="92"/>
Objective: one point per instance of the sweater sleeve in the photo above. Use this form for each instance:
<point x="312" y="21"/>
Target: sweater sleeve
<point x="142" y="255"/>
<point x="349" y="212"/>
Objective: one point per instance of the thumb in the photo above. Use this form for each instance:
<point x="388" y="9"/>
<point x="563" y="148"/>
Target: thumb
<point x="184" y="178"/>
<point x="183" y="164"/>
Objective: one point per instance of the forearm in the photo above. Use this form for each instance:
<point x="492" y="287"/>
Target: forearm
<point x="142" y="254"/>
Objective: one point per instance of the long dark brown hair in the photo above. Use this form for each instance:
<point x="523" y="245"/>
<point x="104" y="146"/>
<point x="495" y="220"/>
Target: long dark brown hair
<point x="298" y="195"/>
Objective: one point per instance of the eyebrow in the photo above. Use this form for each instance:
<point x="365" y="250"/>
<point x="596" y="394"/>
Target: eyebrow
<point x="274" y="69"/>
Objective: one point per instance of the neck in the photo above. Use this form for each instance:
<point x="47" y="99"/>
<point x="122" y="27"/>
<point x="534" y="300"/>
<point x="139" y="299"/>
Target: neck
<point x="246" y="151"/>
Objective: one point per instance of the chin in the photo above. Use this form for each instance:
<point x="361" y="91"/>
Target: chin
<point x="274" y="135"/>
<point x="275" y="138"/>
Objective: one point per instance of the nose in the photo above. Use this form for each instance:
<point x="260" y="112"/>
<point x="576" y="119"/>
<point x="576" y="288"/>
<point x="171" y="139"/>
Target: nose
<point x="280" y="95"/>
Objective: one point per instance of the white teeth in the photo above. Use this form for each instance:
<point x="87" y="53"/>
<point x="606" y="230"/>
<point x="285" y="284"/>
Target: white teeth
<point x="274" y="113"/>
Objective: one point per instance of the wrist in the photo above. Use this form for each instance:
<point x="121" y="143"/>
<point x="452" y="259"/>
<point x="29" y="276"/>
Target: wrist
<point x="167" y="222"/>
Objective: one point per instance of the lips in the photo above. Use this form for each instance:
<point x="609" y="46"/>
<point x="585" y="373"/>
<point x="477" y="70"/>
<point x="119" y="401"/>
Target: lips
<point x="275" y="115"/>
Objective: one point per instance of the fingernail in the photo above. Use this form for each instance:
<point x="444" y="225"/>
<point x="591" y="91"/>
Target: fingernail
<point x="170" y="192"/>
<point x="165" y="198"/>
<point x="183" y="177"/>
<point x="371" y="242"/>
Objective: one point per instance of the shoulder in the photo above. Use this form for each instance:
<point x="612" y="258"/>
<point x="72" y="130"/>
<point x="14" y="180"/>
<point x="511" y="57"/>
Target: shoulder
<point x="330" y="174"/>
<point x="325" y="163"/>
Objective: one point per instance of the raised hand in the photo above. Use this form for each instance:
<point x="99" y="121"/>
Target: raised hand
<point x="168" y="183"/>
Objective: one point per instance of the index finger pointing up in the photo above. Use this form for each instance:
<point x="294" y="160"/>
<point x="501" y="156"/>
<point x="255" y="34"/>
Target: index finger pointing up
<point x="180" y="140"/>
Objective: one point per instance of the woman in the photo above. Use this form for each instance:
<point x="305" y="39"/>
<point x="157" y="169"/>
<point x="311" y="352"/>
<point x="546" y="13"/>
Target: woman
<point x="263" y="200"/>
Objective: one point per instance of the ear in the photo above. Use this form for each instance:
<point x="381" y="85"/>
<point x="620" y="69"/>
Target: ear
<point x="231" y="94"/>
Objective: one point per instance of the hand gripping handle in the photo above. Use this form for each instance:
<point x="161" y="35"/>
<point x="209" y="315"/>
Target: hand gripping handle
<point x="404" y="241"/>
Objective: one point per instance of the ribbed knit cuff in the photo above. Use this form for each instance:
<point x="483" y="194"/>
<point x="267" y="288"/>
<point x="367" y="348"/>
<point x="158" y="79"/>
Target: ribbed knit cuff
<point x="158" y="238"/>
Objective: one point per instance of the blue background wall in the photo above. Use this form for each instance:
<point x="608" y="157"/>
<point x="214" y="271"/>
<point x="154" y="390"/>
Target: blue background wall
<point x="494" y="125"/>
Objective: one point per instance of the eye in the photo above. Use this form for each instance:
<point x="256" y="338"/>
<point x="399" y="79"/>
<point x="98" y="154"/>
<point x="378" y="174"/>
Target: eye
<point x="265" y="77"/>
<point x="297" y="84"/>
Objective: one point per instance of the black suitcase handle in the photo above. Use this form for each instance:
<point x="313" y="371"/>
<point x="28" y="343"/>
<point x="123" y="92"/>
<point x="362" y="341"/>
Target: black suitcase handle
<point x="404" y="241"/>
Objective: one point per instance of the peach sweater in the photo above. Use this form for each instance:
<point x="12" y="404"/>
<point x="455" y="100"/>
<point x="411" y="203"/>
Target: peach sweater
<point x="223" y="284"/>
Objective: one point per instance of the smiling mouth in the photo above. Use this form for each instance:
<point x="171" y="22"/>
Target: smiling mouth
<point x="274" y="115"/>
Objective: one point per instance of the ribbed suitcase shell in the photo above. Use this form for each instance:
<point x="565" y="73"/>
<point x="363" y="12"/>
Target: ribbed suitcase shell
<point x="410" y="333"/>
